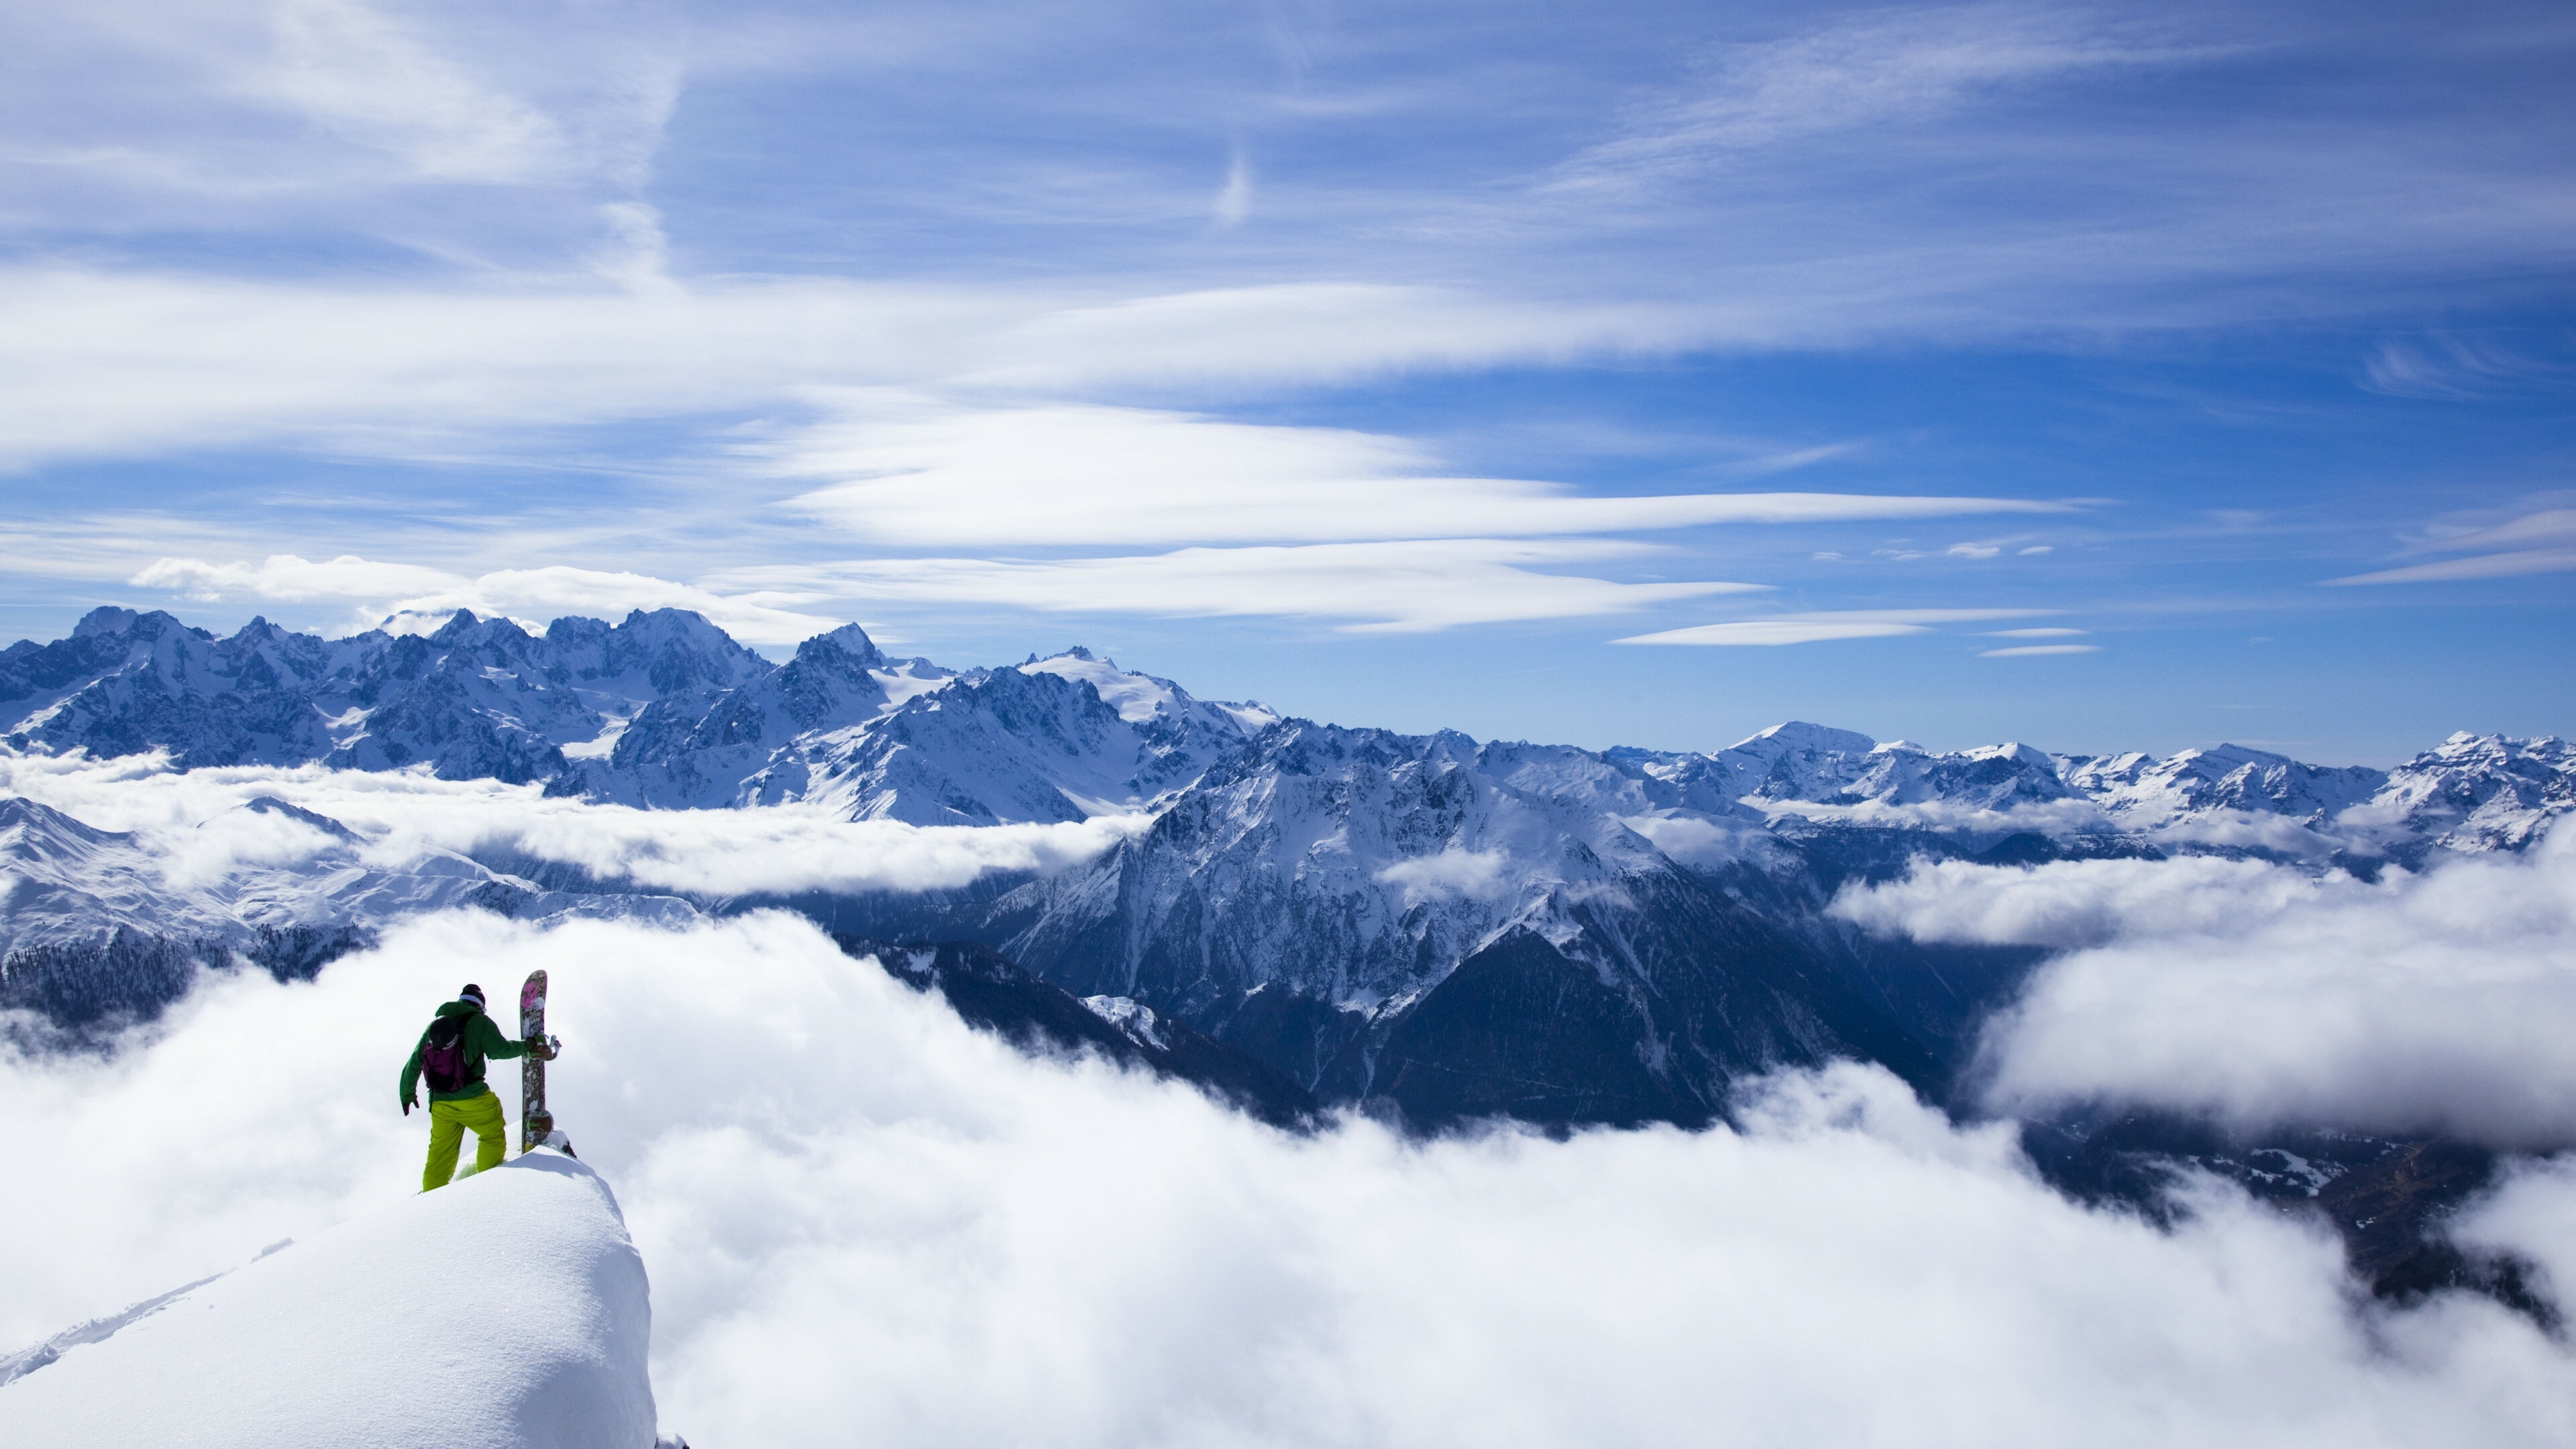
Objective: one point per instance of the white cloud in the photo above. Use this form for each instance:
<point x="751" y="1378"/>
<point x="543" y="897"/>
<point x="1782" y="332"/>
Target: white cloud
<point x="2074" y="904"/>
<point x="2531" y="1213"/>
<point x="2446" y="366"/>
<point x="230" y="107"/>
<point x="2027" y="650"/>
<point x="2552" y="529"/>
<point x="102" y="363"/>
<point x="2548" y="526"/>
<point x="416" y="596"/>
<point x="1813" y="628"/>
<point x="355" y="72"/>
<point x="926" y="473"/>
<point x="2483" y="566"/>
<point x="1234" y="200"/>
<point x="1453" y="872"/>
<point x="1391" y="587"/>
<point x="865" y="1223"/>
<point x="1879" y="68"/>
<point x="2259" y="994"/>
<point x="636" y="254"/>
<point x="405" y="814"/>
<point x="2043" y="633"/>
<point x="288" y="577"/>
<point x="2048" y="817"/>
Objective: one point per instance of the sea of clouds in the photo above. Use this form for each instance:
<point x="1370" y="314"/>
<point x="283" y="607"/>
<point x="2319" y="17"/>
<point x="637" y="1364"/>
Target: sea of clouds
<point x="868" y="1224"/>
<point x="2259" y="994"/>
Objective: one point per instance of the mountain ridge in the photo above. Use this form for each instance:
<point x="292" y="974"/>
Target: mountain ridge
<point x="1453" y="927"/>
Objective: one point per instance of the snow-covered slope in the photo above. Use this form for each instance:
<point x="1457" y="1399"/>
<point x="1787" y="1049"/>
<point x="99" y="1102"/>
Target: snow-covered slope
<point x="1454" y="927"/>
<point x="877" y="739"/>
<point x="509" y="1309"/>
<point x="2477" y="793"/>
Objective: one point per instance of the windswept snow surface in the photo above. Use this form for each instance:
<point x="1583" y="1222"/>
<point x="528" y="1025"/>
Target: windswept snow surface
<point x="508" y="1309"/>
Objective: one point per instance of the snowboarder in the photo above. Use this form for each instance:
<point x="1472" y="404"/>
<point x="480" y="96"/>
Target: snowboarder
<point x="451" y="1053"/>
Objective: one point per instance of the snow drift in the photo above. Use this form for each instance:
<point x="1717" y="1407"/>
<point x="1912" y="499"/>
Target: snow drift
<point x="507" y="1309"/>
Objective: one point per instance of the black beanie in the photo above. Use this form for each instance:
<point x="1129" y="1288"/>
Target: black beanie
<point x="472" y="993"/>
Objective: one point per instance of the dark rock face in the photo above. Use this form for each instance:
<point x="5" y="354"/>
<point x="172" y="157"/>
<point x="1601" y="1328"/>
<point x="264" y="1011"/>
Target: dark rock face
<point x="129" y="976"/>
<point x="1520" y="1031"/>
<point x="2389" y="1199"/>
<point x="84" y="993"/>
<point x="1325" y="900"/>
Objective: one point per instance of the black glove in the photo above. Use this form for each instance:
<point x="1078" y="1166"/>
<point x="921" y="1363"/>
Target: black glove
<point x="406" y="1106"/>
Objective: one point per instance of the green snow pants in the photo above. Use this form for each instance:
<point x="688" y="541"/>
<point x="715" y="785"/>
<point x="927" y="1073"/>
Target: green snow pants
<point x="447" y="1124"/>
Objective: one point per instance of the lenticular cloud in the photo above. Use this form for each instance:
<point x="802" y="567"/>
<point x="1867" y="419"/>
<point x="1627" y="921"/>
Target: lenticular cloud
<point x="2259" y="995"/>
<point x="868" y="1224"/>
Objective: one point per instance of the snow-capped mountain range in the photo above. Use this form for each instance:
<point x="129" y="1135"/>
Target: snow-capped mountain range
<point x="664" y="709"/>
<point x="1454" y="926"/>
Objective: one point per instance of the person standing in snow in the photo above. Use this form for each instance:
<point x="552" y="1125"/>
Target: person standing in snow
<point x="450" y="1053"/>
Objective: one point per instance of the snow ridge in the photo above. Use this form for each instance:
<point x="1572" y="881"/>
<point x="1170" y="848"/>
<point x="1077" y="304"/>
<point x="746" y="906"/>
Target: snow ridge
<point x="343" y="1339"/>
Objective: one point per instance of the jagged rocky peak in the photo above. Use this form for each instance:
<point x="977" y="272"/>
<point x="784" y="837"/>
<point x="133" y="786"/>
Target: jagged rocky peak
<point x="2481" y="792"/>
<point x="2145" y="789"/>
<point x="108" y="619"/>
<point x="848" y="646"/>
<point x="466" y="627"/>
<point x="259" y="631"/>
<point x="652" y="654"/>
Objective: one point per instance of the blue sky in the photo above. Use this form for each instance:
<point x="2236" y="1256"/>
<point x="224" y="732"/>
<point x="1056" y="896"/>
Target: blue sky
<point x="1397" y="364"/>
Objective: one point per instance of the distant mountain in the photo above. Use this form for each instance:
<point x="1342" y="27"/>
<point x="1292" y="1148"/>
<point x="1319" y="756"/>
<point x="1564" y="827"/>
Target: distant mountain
<point x="1443" y="927"/>
<point x="476" y="700"/>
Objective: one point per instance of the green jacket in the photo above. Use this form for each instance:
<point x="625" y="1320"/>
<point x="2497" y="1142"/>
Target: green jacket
<point x="482" y="1039"/>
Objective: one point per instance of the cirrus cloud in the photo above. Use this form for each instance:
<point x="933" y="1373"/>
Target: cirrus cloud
<point x="1811" y="628"/>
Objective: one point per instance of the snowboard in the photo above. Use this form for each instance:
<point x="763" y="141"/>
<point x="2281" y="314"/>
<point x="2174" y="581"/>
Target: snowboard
<point x="536" y="1124"/>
